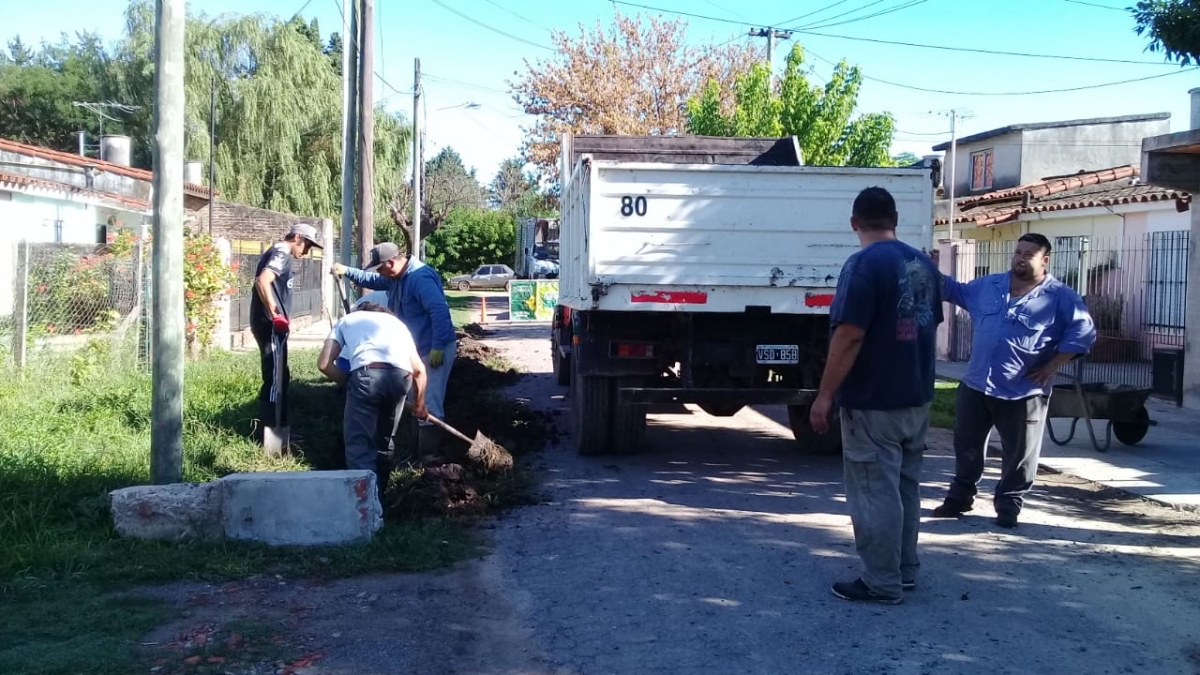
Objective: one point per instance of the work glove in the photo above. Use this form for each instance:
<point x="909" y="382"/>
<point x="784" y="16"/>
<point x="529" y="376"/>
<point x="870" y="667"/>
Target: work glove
<point x="436" y="358"/>
<point x="338" y="269"/>
<point x="280" y="323"/>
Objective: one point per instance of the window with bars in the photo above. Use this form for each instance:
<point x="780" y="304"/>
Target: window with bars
<point x="1166" y="280"/>
<point x="981" y="170"/>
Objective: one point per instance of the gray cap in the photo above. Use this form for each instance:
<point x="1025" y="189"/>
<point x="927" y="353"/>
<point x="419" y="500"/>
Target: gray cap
<point x="380" y="254"/>
<point x="307" y="233"/>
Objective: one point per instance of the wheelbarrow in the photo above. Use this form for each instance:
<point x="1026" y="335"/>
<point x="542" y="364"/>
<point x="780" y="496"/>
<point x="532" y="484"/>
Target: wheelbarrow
<point x="1122" y="406"/>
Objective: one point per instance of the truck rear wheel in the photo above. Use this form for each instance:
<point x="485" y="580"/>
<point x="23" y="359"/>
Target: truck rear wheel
<point x="591" y="399"/>
<point x="628" y="421"/>
<point x="809" y="441"/>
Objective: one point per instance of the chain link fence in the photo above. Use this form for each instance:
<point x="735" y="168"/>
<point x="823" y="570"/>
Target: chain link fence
<point x="75" y="309"/>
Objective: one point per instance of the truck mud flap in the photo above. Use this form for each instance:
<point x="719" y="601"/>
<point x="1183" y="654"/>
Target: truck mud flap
<point x="657" y="395"/>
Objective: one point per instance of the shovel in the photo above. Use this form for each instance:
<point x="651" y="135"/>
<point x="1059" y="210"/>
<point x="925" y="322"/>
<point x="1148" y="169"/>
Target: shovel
<point x="277" y="439"/>
<point x="483" y="451"/>
<point x="337" y="283"/>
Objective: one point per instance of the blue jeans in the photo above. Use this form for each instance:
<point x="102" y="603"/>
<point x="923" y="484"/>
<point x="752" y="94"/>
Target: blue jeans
<point x="435" y="383"/>
<point x="374" y="405"/>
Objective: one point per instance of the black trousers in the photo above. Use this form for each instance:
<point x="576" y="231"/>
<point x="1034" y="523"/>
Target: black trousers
<point x="1020" y="424"/>
<point x="272" y="350"/>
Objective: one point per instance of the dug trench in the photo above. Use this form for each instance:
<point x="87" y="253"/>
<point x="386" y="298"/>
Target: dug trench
<point x="282" y="623"/>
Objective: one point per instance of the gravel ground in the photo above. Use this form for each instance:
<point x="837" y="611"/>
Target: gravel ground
<point x="713" y="552"/>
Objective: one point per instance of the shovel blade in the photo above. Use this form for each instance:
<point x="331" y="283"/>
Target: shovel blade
<point x="276" y="441"/>
<point x="489" y="454"/>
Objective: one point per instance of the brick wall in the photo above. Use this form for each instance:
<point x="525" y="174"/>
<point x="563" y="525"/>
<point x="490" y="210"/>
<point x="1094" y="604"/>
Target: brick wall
<point x="237" y="222"/>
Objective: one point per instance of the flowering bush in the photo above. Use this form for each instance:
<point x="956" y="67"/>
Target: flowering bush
<point x="206" y="279"/>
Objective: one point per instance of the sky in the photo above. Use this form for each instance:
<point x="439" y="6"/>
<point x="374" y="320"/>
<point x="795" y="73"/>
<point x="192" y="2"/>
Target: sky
<point x="470" y="49"/>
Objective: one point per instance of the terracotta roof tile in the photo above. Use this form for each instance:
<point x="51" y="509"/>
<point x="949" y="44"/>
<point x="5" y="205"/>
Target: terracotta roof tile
<point x="23" y="182"/>
<point x="1106" y="187"/>
<point x="101" y="165"/>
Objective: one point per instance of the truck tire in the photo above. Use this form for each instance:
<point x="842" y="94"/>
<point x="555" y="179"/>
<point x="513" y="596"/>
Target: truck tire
<point x="628" y="421"/>
<point x="721" y="409"/>
<point x="808" y="441"/>
<point x="591" y="399"/>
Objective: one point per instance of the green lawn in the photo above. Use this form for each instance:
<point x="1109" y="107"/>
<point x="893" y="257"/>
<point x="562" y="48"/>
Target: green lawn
<point x="65" y="445"/>
<point x="941" y="415"/>
<point x="464" y="307"/>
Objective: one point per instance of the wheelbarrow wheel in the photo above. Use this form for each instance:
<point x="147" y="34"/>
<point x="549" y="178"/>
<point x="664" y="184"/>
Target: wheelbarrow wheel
<point x="1130" y="433"/>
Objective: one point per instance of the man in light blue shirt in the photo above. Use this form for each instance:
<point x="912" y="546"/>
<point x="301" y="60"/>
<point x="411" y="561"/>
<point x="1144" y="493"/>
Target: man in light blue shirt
<point x="1027" y="324"/>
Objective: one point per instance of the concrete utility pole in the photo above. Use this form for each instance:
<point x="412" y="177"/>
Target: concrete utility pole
<point x="366" y="150"/>
<point x="417" y="160"/>
<point x="772" y="34"/>
<point x="349" y="124"/>
<point x="953" y="162"/>
<point x="167" y="340"/>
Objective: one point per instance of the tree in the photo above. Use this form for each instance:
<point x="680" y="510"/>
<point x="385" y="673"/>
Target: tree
<point x="447" y="185"/>
<point x="470" y="238"/>
<point x="517" y="192"/>
<point x="633" y="78"/>
<point x="819" y="117"/>
<point x="905" y="159"/>
<point x="1173" y="27"/>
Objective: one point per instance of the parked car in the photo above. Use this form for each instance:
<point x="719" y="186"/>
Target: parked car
<point x="487" y="276"/>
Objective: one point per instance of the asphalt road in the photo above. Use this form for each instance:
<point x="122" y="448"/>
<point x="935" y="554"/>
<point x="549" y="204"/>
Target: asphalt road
<point x="713" y="552"/>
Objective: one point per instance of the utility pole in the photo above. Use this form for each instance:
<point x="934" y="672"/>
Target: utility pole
<point x="772" y="34"/>
<point x="366" y="150"/>
<point x="212" y="145"/>
<point x="417" y="160"/>
<point x="349" y="123"/>
<point x="953" y="164"/>
<point x="166" y="408"/>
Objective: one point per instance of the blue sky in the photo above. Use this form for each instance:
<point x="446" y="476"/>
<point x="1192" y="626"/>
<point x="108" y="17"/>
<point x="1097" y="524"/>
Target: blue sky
<point x="464" y="61"/>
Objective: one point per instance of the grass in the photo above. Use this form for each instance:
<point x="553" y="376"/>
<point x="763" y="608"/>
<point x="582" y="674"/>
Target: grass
<point x="64" y="446"/>
<point x="941" y="414"/>
<point x="464" y="307"/>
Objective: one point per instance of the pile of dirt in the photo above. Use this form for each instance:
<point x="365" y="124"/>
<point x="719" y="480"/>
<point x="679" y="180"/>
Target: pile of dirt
<point x="453" y="483"/>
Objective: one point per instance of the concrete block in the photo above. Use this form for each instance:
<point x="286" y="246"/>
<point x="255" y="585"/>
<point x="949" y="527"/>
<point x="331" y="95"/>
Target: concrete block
<point x="301" y="508"/>
<point x="175" y="512"/>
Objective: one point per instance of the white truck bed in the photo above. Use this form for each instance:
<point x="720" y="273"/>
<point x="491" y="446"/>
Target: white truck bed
<point x="719" y="238"/>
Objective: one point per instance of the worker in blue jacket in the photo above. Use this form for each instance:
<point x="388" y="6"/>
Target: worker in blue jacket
<point x="414" y="293"/>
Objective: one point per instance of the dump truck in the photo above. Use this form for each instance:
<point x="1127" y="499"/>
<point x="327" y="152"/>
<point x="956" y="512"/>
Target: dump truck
<point x="701" y="270"/>
<point x="536" y="253"/>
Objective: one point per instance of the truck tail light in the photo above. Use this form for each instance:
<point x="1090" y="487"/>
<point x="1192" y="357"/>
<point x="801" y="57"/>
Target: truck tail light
<point x="632" y="350"/>
<point x="818" y="299"/>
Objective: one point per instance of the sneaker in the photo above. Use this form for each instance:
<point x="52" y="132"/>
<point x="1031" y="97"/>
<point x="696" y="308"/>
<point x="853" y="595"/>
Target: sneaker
<point x="858" y="591"/>
<point x="908" y="585"/>
<point x="1007" y="519"/>
<point x="952" y="509"/>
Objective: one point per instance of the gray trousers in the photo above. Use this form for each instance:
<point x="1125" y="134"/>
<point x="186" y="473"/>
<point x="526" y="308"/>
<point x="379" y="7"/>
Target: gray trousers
<point x="882" y="452"/>
<point x="1020" y="424"/>
<point x="374" y="404"/>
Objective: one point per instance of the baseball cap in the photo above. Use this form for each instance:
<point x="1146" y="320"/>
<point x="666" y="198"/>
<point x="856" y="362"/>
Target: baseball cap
<point x="380" y="254"/>
<point x="306" y="232"/>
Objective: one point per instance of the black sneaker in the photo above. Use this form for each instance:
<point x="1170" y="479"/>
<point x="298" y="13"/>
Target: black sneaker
<point x="1007" y="519"/>
<point x="952" y="509"/>
<point x="858" y="591"/>
<point x="908" y="585"/>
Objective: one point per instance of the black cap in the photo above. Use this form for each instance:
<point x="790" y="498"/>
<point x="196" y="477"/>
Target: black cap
<point x="380" y="254"/>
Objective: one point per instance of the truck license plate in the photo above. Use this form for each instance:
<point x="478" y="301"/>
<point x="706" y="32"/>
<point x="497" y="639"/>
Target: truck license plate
<point x="778" y="354"/>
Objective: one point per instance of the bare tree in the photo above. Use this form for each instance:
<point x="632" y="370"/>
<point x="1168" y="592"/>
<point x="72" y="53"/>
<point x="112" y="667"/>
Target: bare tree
<point x="448" y="185"/>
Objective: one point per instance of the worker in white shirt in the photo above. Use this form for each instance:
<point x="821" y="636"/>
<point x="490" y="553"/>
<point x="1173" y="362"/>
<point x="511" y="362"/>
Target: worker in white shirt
<point x="384" y="369"/>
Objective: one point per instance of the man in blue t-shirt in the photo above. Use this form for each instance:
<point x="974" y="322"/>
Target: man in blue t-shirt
<point x="880" y="372"/>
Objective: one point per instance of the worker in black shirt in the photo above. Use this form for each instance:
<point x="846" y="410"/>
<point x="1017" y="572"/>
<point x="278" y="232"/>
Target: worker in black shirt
<point x="269" y="322"/>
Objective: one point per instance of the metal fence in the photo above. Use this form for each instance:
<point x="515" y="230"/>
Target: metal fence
<point x="1135" y="289"/>
<point x="306" y="283"/>
<point x="77" y="309"/>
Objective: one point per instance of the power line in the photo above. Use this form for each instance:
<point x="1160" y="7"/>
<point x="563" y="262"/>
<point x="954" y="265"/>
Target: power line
<point x="815" y="11"/>
<point x="1099" y="6"/>
<point x="996" y="52"/>
<point x="809" y="30"/>
<point x="1009" y="93"/>
<point x="519" y="15"/>
<point x="850" y="11"/>
<point x="889" y="10"/>
<point x="497" y="31"/>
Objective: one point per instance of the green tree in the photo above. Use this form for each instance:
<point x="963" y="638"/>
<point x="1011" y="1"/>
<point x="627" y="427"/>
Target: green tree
<point x="820" y="117"/>
<point x="447" y="185"/>
<point x="469" y="238"/>
<point x="1173" y="27"/>
<point x="518" y="192"/>
<point x="905" y="159"/>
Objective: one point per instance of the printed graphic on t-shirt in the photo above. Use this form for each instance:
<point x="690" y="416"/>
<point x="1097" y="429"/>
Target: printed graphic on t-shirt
<point x="915" y="308"/>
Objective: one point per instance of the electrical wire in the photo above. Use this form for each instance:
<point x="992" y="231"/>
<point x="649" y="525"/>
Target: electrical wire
<point x="519" y="16"/>
<point x="889" y="10"/>
<point x="815" y="11"/>
<point x="1099" y="6"/>
<point x="497" y="31"/>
